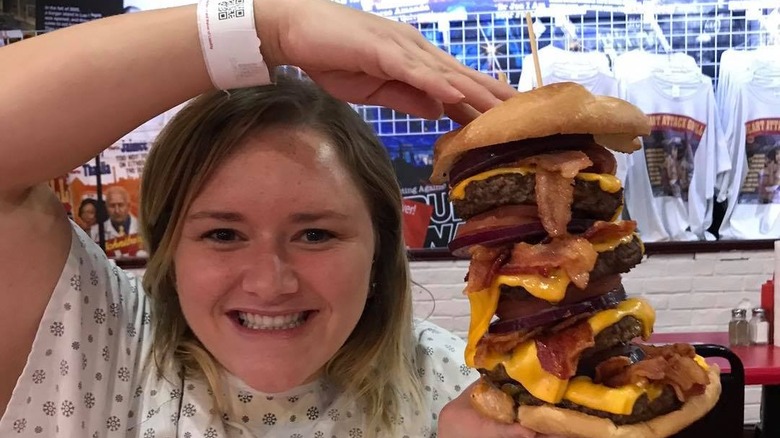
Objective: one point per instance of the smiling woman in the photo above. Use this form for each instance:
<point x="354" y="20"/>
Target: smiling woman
<point x="276" y="300"/>
<point x="278" y="238"/>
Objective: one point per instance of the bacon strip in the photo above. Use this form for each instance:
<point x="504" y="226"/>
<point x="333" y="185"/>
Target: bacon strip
<point x="671" y="365"/>
<point x="555" y="186"/>
<point x="559" y="353"/>
<point x="602" y="231"/>
<point x="501" y="343"/>
<point x="574" y="255"/>
<point x="485" y="263"/>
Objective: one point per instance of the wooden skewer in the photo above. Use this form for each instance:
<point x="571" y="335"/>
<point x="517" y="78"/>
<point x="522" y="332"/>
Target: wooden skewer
<point x="534" y="50"/>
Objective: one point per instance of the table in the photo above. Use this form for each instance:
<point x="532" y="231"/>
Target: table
<point x="762" y="367"/>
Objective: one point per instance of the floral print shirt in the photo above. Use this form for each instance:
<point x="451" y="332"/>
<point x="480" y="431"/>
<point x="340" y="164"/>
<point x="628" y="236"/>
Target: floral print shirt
<point x="86" y="376"/>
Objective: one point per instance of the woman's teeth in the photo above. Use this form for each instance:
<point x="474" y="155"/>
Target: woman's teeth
<point x="261" y="322"/>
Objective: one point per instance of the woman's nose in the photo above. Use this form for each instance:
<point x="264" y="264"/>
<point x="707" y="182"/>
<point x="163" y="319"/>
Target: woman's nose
<point x="269" y="276"/>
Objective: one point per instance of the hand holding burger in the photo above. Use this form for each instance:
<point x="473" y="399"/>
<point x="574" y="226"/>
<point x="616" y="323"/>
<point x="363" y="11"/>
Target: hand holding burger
<point x="459" y="419"/>
<point x="552" y="330"/>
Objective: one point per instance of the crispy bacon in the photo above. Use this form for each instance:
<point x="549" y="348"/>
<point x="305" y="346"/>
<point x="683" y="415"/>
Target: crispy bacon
<point x="574" y="255"/>
<point x="485" y="262"/>
<point x="555" y="186"/>
<point x="559" y="353"/>
<point x="671" y="365"/>
<point x="566" y="163"/>
<point x="602" y="231"/>
<point x="618" y="371"/>
<point x="501" y="343"/>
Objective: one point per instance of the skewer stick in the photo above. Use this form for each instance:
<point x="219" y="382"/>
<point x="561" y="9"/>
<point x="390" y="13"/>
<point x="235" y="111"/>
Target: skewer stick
<point x="534" y="50"/>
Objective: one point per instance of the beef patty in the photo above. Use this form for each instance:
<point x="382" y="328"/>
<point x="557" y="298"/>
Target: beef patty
<point x="590" y="202"/>
<point x="618" y="261"/>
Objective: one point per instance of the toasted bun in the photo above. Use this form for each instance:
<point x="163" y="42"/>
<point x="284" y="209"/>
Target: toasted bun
<point x="551" y="420"/>
<point x="562" y="108"/>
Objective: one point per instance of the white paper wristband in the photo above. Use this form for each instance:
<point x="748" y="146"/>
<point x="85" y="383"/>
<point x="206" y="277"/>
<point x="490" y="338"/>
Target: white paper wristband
<point x="231" y="48"/>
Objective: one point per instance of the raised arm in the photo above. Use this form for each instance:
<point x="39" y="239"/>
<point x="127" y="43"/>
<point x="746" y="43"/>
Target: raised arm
<point x="69" y="94"/>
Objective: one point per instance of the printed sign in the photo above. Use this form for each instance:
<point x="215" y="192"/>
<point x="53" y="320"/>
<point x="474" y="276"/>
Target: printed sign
<point x="412" y="158"/>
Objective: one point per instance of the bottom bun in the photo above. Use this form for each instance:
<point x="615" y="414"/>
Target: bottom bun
<point x="573" y="424"/>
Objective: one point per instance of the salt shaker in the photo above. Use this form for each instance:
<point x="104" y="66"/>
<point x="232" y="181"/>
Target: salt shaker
<point x="759" y="327"/>
<point x="739" y="331"/>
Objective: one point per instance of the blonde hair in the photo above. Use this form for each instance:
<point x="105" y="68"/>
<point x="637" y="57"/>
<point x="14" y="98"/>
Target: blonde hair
<point x="375" y="365"/>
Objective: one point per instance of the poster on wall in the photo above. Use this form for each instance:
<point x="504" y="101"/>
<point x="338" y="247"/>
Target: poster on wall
<point x="429" y="220"/>
<point x="117" y="210"/>
<point x="57" y="14"/>
<point x="146" y="5"/>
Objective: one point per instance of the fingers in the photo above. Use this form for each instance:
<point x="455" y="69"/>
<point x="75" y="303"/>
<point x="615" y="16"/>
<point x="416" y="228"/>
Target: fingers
<point x="406" y="99"/>
<point x="461" y="113"/>
<point x="498" y="89"/>
<point x="459" y="419"/>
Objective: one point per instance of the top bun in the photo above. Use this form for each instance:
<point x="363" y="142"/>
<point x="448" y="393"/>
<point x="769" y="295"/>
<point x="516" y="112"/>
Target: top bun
<point x="560" y="108"/>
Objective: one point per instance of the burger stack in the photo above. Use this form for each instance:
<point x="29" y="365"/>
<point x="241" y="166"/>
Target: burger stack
<point x="552" y="331"/>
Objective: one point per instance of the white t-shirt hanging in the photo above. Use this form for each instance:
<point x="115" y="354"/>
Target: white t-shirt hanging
<point x="637" y="64"/>
<point x="595" y="81"/>
<point x="84" y="377"/>
<point x="753" y="210"/>
<point x="739" y="67"/>
<point x="550" y="55"/>
<point x="683" y="156"/>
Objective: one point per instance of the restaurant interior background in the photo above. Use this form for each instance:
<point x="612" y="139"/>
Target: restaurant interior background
<point x="693" y="273"/>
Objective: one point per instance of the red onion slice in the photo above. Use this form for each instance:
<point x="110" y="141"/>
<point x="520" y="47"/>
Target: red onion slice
<point x="558" y="313"/>
<point x="532" y="233"/>
<point x="481" y="159"/>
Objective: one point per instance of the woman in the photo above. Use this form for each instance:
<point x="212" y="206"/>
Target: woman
<point x="277" y="272"/>
<point x="88" y="213"/>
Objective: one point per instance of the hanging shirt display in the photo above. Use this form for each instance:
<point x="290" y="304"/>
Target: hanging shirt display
<point x="625" y="65"/>
<point x="595" y="81"/>
<point x="551" y="55"/>
<point x="682" y="157"/>
<point x="754" y="191"/>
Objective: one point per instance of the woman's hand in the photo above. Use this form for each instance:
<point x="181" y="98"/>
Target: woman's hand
<point x="460" y="420"/>
<point x="366" y="59"/>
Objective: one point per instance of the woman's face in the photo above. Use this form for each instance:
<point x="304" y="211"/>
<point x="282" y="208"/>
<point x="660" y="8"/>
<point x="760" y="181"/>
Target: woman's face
<point x="274" y="262"/>
<point x="88" y="214"/>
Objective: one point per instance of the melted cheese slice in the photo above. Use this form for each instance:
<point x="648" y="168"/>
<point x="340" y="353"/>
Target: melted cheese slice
<point x="620" y="401"/>
<point x="552" y="288"/>
<point x="608" y="183"/>
<point x="522" y="364"/>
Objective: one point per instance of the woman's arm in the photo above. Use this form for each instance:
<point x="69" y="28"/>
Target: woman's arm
<point x="69" y="94"/>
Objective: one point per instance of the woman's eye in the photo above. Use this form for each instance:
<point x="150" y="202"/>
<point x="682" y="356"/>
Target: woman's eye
<point x="316" y="236"/>
<point x="221" y="235"/>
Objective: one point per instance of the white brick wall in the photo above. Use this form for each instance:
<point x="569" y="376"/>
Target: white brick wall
<point x="691" y="292"/>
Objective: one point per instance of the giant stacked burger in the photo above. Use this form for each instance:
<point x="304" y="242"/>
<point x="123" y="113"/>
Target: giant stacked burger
<point x="552" y="331"/>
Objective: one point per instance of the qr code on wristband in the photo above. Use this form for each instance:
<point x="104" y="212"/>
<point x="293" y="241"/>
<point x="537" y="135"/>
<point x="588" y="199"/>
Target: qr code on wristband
<point x="231" y="9"/>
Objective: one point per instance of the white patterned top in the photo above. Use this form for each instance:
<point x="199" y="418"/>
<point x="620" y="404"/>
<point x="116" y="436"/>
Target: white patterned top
<point x="84" y="376"/>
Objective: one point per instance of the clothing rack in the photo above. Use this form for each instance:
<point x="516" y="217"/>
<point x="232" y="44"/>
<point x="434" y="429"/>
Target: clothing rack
<point x="498" y="42"/>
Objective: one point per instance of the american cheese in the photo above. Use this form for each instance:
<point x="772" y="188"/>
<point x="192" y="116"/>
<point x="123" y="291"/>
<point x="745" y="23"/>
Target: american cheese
<point x="608" y="183"/>
<point x="483" y="305"/>
<point x="636" y="307"/>
<point x="551" y="288"/>
<point x="620" y="401"/>
<point x="522" y="364"/>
